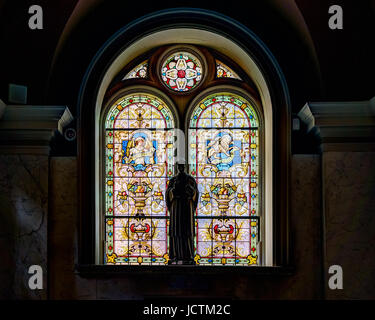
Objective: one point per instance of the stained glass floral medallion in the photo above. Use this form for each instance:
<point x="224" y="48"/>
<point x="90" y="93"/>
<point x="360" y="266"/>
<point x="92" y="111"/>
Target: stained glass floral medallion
<point x="138" y="164"/>
<point x="181" y="71"/>
<point x="224" y="159"/>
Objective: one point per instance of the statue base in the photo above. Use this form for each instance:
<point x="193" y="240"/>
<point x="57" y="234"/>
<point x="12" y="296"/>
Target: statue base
<point x="181" y="262"/>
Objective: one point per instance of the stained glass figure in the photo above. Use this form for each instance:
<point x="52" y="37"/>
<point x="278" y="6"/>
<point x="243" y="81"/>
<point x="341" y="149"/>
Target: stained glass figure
<point x="140" y="71"/>
<point x="181" y="71"/>
<point x="138" y="164"/>
<point x="223" y="71"/>
<point x="224" y="159"/>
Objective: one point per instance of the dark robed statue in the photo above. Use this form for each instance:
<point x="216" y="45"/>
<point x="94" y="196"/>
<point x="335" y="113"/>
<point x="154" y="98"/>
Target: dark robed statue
<point x="182" y="199"/>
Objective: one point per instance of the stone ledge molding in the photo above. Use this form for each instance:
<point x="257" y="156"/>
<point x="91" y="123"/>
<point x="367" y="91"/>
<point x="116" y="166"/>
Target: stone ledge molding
<point x="341" y="126"/>
<point x="29" y="128"/>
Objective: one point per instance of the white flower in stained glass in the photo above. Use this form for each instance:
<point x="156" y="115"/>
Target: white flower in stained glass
<point x="181" y="71"/>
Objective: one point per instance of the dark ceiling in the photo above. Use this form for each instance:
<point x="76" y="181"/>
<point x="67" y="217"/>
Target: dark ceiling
<point x="345" y="57"/>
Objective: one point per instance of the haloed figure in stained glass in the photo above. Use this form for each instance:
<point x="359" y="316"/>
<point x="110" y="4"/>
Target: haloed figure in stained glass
<point x="140" y="150"/>
<point x="182" y="200"/>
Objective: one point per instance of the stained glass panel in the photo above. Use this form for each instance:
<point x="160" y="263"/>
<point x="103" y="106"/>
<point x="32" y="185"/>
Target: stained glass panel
<point x="224" y="159"/>
<point x="181" y="71"/>
<point x="138" y="164"/>
<point x="140" y="71"/>
<point x="223" y="71"/>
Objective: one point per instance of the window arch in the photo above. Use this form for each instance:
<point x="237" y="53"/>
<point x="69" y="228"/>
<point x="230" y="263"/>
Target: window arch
<point x="137" y="165"/>
<point x="224" y="158"/>
<point x="243" y="87"/>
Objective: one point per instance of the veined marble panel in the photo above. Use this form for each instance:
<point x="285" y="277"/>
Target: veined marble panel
<point x="349" y="187"/>
<point x="23" y="223"/>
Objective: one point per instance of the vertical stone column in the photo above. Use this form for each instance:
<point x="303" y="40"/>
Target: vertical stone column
<point x="62" y="233"/>
<point x="25" y="133"/>
<point x="346" y="134"/>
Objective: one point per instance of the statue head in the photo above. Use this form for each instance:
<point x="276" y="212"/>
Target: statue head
<point x="181" y="167"/>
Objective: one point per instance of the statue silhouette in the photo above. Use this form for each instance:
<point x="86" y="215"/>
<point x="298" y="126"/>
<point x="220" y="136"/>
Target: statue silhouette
<point x="182" y="200"/>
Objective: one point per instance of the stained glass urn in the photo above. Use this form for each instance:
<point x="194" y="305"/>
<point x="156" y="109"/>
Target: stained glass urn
<point x="140" y="192"/>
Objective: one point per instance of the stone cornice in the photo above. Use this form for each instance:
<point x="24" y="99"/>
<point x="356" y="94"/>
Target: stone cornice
<point x="341" y="126"/>
<point x="29" y="128"/>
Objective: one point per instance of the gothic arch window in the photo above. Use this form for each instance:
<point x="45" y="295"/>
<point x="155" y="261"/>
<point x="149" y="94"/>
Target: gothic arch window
<point x="224" y="137"/>
<point x="227" y="133"/>
<point x="138" y="162"/>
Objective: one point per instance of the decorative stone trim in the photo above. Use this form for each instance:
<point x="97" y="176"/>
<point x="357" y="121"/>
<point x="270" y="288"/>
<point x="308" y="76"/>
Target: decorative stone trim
<point x="28" y="129"/>
<point x="341" y="126"/>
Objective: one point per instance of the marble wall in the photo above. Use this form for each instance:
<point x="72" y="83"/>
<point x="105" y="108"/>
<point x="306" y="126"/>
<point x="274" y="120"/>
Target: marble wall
<point x="306" y="250"/>
<point x="349" y="192"/>
<point x="23" y="224"/>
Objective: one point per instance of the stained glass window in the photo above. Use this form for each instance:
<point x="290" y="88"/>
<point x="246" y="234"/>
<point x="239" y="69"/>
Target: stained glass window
<point x="223" y="71"/>
<point x="224" y="159"/>
<point x="138" y="164"/>
<point x="140" y="71"/>
<point x="181" y="71"/>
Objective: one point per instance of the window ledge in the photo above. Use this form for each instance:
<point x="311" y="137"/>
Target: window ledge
<point x="98" y="271"/>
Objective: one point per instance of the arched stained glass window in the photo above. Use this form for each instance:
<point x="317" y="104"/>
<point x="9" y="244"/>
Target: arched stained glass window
<point x="138" y="164"/>
<point x="224" y="159"/>
<point x="225" y="142"/>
